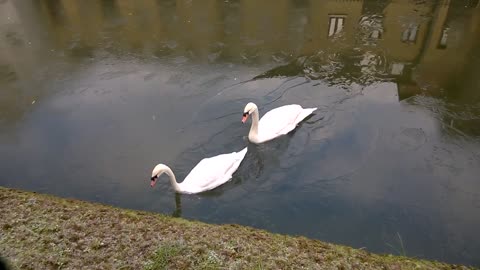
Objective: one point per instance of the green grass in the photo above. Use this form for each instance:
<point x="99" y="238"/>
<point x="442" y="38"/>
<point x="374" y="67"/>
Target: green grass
<point x="163" y="256"/>
<point x="172" y="256"/>
<point x="401" y="250"/>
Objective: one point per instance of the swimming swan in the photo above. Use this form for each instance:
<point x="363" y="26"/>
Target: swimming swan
<point x="208" y="174"/>
<point x="274" y="123"/>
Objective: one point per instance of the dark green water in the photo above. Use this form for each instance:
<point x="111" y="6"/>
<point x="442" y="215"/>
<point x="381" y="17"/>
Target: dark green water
<point x="93" y="94"/>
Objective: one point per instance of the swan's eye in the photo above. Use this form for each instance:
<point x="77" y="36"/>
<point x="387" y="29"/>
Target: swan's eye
<point x="153" y="178"/>
<point x="245" y="114"/>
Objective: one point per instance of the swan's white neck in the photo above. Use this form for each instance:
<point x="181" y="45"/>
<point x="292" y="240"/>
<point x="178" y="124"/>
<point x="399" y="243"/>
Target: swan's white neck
<point x="173" y="179"/>
<point x="253" y="134"/>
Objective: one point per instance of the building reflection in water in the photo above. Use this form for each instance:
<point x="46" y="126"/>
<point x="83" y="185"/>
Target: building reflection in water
<point x="425" y="47"/>
<point x="405" y="33"/>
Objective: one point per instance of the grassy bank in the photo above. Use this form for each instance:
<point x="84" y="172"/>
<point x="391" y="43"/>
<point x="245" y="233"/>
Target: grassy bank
<point x="46" y="232"/>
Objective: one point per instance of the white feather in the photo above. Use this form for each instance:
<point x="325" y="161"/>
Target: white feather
<point x="276" y="122"/>
<point x="208" y="174"/>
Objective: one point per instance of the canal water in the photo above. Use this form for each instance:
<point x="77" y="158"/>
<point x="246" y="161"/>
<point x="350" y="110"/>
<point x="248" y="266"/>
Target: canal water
<point x="93" y="94"/>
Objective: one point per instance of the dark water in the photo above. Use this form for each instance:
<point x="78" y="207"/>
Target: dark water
<point x="93" y="94"/>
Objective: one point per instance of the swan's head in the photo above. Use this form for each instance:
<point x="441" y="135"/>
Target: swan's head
<point x="157" y="171"/>
<point x="249" y="109"/>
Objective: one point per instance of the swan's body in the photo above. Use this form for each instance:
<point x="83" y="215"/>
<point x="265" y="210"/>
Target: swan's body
<point x="274" y="123"/>
<point x="208" y="174"/>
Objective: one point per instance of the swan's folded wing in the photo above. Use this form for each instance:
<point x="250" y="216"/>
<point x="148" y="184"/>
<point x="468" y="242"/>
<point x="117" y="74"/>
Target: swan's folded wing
<point x="279" y="121"/>
<point x="304" y="114"/>
<point x="214" y="171"/>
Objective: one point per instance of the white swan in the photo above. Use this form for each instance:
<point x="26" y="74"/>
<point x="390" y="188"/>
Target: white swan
<point x="208" y="174"/>
<point x="274" y="123"/>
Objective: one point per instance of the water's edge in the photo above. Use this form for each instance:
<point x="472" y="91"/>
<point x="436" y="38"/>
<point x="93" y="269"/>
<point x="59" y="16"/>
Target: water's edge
<point x="44" y="231"/>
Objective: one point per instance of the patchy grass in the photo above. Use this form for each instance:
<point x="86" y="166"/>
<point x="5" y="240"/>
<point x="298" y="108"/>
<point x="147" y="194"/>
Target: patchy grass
<point x="401" y="251"/>
<point x="46" y="232"/>
<point x="164" y="256"/>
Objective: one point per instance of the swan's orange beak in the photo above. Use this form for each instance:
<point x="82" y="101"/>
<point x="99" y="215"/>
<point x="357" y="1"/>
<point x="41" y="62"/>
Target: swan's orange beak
<point x="244" y="118"/>
<point x="153" y="180"/>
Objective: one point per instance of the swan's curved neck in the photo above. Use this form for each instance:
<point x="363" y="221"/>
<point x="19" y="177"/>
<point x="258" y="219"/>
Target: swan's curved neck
<point x="253" y="134"/>
<point x="173" y="179"/>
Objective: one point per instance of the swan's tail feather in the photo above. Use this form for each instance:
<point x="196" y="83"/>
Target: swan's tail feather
<point x="306" y="112"/>
<point x="243" y="152"/>
<point x="235" y="165"/>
